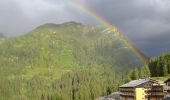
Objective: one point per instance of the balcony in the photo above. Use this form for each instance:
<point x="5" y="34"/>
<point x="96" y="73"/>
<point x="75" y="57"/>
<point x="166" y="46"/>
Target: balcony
<point x="156" y="94"/>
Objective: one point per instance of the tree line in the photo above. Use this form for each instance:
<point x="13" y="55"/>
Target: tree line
<point x="156" y="67"/>
<point x="160" y="66"/>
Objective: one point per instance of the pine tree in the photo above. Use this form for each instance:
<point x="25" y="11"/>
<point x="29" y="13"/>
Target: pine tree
<point x="141" y="73"/>
<point x="147" y="71"/>
<point x="135" y="74"/>
<point x="130" y="76"/>
<point x="165" y="69"/>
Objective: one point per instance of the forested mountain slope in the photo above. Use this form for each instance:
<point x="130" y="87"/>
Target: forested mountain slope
<point x="69" y="61"/>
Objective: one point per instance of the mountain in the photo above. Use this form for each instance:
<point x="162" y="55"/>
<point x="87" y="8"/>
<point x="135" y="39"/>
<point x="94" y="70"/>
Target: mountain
<point x="69" y="61"/>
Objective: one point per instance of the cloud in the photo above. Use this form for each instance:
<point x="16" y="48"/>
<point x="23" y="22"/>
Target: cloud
<point x="21" y="16"/>
<point x="145" y="22"/>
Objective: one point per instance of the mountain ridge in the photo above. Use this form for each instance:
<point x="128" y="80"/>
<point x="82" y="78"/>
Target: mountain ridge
<point x="46" y="55"/>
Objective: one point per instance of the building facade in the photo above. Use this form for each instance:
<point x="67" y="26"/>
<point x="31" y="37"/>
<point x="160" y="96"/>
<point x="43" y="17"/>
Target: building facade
<point x="142" y="89"/>
<point x="167" y="89"/>
<point x="167" y="82"/>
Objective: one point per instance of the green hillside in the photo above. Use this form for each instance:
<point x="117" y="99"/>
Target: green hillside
<point x="163" y="78"/>
<point x="69" y="61"/>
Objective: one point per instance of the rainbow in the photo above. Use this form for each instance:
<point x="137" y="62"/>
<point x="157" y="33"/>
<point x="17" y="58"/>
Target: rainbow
<point x="78" y="4"/>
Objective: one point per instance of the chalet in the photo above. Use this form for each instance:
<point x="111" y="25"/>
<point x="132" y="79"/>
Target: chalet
<point x="167" y="82"/>
<point x="142" y="89"/>
<point x="167" y="89"/>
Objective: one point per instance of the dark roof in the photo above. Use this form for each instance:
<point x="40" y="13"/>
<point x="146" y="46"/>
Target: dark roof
<point x="138" y="82"/>
<point x="114" y="95"/>
<point x="167" y="80"/>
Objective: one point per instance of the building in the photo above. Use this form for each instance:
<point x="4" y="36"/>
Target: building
<point x="142" y="89"/>
<point x="167" y="82"/>
<point x="167" y="89"/>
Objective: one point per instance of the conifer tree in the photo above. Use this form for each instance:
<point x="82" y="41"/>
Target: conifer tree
<point x="135" y="74"/>
<point x="165" y="69"/>
<point x="147" y="71"/>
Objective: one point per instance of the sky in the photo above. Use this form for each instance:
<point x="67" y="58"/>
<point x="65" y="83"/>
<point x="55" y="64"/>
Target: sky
<point x="146" y="23"/>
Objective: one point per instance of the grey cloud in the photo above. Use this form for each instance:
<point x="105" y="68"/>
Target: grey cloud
<point x="145" y="22"/>
<point x="21" y="16"/>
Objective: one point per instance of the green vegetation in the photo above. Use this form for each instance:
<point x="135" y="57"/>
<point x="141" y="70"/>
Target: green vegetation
<point x="84" y="85"/>
<point x="158" y="68"/>
<point x="163" y="78"/>
<point x="136" y="73"/>
<point x="70" y="61"/>
<point x="105" y="80"/>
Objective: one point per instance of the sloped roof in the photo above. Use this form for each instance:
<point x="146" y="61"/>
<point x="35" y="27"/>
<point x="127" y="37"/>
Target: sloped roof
<point x="138" y="82"/>
<point x="114" y="95"/>
<point x="167" y="80"/>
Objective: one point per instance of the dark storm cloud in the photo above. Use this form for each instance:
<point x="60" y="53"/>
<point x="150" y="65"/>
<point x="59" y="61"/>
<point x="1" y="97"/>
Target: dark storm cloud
<point x="145" y="22"/>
